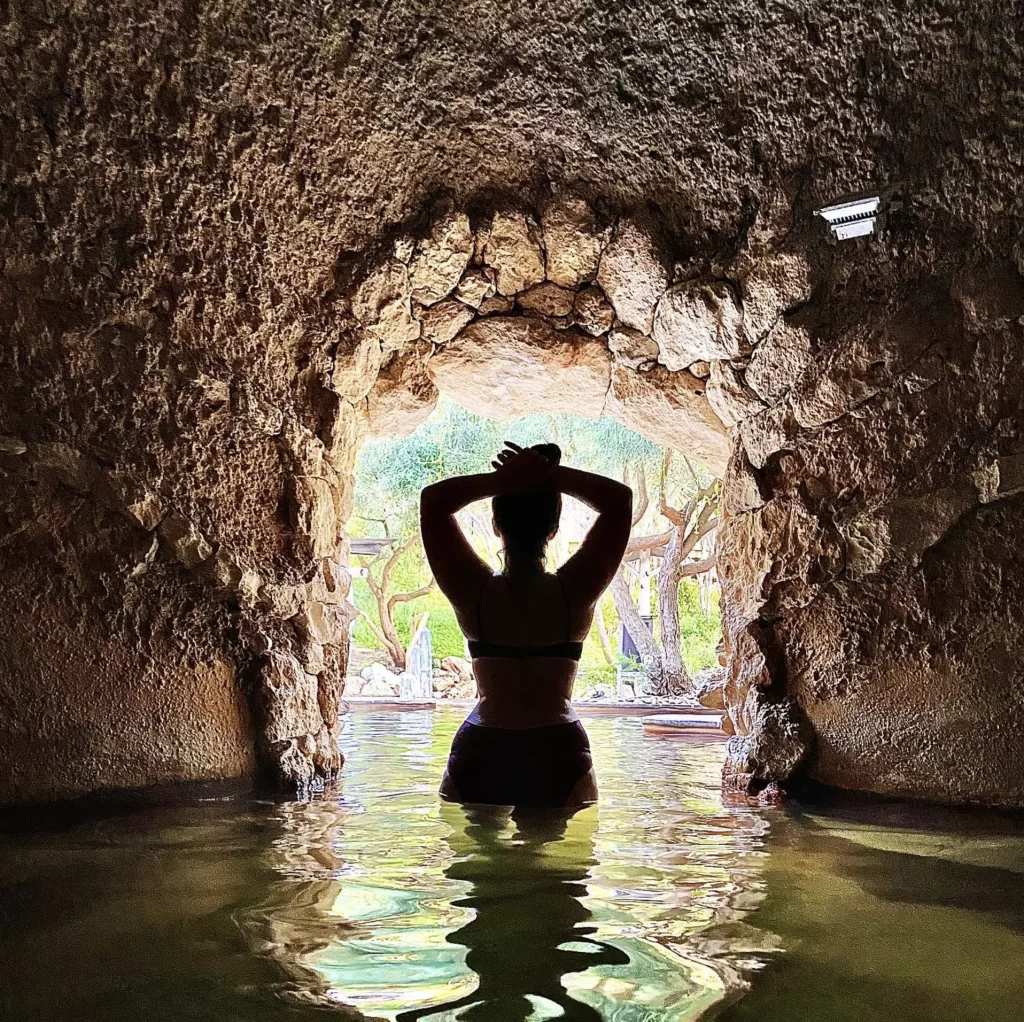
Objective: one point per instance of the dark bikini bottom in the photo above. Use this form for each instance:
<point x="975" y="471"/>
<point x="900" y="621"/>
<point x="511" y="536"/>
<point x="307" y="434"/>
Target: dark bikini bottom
<point x="536" y="766"/>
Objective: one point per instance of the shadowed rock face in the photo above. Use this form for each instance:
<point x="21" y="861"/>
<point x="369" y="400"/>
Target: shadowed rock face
<point x="236" y="241"/>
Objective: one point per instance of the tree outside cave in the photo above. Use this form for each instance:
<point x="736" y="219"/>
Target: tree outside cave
<point x="666" y="590"/>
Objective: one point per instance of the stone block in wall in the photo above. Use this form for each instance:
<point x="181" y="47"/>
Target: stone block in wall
<point x="729" y="396"/>
<point x="632" y="349"/>
<point x="572" y="242"/>
<point x="670" y="409"/>
<point x="633" y="274"/>
<point x="331" y="682"/>
<point x="326" y="623"/>
<point x="356" y="365"/>
<point x="439" y="260"/>
<point x="592" y="312"/>
<point x="383" y="306"/>
<point x="768" y="432"/>
<point x="547" y="299"/>
<point x="441" y="322"/>
<point x="403" y="395"/>
<point x="778" y="361"/>
<point x="476" y="286"/>
<point x="512" y="251"/>
<point x="699" y="320"/>
<point x="775" y="283"/>
<point x="509" y="366"/>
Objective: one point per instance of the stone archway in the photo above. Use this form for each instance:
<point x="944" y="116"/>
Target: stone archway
<point x="516" y="313"/>
<point x="210" y="290"/>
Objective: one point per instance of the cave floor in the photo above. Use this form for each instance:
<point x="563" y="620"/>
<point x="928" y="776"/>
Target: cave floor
<point x="663" y="902"/>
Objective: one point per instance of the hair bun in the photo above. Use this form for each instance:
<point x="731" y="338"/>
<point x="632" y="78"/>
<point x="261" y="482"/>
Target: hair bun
<point x="550" y="451"/>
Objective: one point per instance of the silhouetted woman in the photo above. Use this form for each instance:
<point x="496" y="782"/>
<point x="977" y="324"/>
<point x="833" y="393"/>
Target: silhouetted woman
<point x="523" y="744"/>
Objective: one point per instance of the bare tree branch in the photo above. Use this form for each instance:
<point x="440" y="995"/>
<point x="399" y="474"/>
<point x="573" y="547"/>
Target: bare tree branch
<point x="602" y="634"/>
<point x="691" y="568"/>
<point x="637" y="544"/>
<point x="372" y="625"/>
<point x="406" y="597"/>
<point x="643" y="499"/>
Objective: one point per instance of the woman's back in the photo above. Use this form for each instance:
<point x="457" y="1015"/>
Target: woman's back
<point x="525" y="638"/>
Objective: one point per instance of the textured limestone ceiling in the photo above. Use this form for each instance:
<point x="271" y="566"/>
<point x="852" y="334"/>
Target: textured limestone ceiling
<point x="313" y="125"/>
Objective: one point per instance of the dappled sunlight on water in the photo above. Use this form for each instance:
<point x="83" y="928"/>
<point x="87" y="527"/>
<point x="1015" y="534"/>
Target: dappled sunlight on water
<point x="378" y="900"/>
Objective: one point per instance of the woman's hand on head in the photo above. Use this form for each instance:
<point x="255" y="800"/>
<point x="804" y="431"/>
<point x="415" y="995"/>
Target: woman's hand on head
<point x="520" y="470"/>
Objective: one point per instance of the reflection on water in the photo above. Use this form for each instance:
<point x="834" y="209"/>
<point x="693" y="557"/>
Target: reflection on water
<point x="380" y="901"/>
<point x="418" y="908"/>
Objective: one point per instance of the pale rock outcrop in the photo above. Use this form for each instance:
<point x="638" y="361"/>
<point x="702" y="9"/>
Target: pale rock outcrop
<point x="592" y="312"/>
<point x="572" y="242"/>
<point x="633" y="273"/>
<point x="439" y="260"/>
<point x="728" y="394"/>
<point x="699" y="320"/>
<point x="512" y="251"/>
<point x="632" y="348"/>
<point x="441" y="322"/>
<point x="670" y="409"/>
<point x="547" y="299"/>
<point x="403" y="395"/>
<point x="774" y="285"/>
<point x="505" y="367"/>
<point x="379" y="682"/>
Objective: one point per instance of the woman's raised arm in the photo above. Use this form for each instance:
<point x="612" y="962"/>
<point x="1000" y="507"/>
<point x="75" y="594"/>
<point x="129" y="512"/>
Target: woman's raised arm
<point x="588" y="572"/>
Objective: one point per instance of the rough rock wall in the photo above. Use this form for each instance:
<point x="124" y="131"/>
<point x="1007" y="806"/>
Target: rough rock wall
<point x="872" y="557"/>
<point x="194" y="197"/>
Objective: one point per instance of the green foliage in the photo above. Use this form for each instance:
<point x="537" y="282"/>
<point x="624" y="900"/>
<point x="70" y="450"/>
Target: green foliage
<point x="700" y="632"/>
<point x="391" y="473"/>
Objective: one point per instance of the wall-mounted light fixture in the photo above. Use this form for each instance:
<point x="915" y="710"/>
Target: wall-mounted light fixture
<point x="853" y="218"/>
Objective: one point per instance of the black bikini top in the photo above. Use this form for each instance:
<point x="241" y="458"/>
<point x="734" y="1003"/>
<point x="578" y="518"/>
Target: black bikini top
<point x="566" y="650"/>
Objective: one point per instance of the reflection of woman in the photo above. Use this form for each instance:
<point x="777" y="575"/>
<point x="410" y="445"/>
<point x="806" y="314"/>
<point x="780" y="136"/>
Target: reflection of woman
<point x="523" y="743"/>
<point x="526" y="891"/>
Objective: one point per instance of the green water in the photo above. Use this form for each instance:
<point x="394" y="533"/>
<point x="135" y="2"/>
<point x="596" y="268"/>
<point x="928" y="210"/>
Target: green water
<point x="378" y="900"/>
